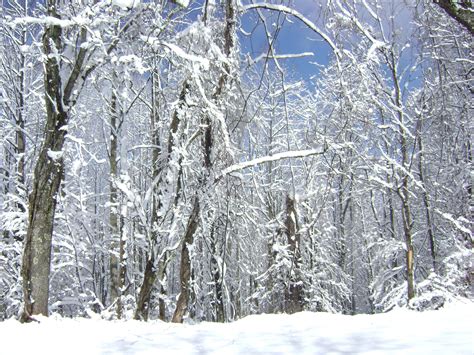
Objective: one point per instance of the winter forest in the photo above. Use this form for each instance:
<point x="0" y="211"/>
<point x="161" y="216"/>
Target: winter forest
<point x="176" y="160"/>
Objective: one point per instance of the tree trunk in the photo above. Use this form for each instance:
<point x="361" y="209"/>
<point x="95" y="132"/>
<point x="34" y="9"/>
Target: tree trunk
<point x="217" y="279"/>
<point x="460" y="10"/>
<point x="391" y="209"/>
<point x="185" y="268"/>
<point x="294" y="293"/>
<point x="20" y="137"/>
<point x="162" y="289"/>
<point x="403" y="191"/>
<point x="426" y="203"/>
<point x="47" y="178"/>
<point x="49" y="168"/>
<point x="143" y="301"/>
<point x="115" y="245"/>
<point x="341" y="222"/>
<point x="152" y="272"/>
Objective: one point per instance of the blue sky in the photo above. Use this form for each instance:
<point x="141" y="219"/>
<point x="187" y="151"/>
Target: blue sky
<point x="294" y="37"/>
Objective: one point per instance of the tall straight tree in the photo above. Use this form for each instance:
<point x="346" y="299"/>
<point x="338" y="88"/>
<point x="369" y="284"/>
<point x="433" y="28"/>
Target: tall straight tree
<point x="64" y="77"/>
<point x="48" y="170"/>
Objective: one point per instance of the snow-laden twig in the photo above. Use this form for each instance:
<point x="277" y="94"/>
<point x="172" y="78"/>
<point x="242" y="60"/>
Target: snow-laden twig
<point x="266" y="55"/>
<point x="279" y="156"/>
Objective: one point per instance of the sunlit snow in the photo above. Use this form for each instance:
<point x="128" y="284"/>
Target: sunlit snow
<point x="447" y="331"/>
<point x="55" y="155"/>
<point x="183" y="3"/>
<point x="125" y="4"/>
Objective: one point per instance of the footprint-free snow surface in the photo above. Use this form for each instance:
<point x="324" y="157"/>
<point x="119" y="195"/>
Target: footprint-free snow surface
<point x="447" y="331"/>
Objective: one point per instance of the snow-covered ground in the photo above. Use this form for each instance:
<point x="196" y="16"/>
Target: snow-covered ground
<point x="448" y="331"/>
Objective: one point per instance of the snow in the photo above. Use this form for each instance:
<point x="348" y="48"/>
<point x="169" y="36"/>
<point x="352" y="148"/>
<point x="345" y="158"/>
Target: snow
<point x="181" y="53"/>
<point x="457" y="222"/>
<point x="135" y="60"/>
<point x="126" y="4"/>
<point x="177" y="51"/>
<point x="45" y="20"/>
<point x="54" y="154"/>
<point x="274" y="157"/>
<point x="447" y="331"/>
<point x="375" y="45"/>
<point x="266" y="55"/>
<point x="183" y="3"/>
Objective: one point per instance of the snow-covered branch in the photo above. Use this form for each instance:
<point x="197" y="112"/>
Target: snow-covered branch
<point x="279" y="156"/>
<point x="281" y="56"/>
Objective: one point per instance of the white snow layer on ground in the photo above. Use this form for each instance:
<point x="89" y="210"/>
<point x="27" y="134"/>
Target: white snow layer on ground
<point x="448" y="331"/>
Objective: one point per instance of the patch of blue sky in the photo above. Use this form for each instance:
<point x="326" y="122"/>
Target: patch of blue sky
<point x="292" y="38"/>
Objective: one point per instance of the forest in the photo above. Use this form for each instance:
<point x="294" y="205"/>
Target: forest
<point x="176" y="160"/>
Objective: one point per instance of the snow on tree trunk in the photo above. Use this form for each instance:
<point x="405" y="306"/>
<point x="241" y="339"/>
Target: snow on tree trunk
<point x="114" y="214"/>
<point x="294" y="293"/>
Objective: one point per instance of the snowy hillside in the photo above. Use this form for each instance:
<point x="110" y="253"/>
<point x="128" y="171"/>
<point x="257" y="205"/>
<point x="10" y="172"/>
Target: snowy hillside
<point x="448" y="331"/>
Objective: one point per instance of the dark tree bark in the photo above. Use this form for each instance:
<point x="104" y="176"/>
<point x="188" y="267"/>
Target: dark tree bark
<point x="151" y="274"/>
<point x="46" y="182"/>
<point x="49" y="168"/>
<point x="47" y="179"/>
<point x="185" y="267"/>
<point x="217" y="278"/>
<point x="149" y="277"/>
<point x="20" y="137"/>
<point x="228" y="45"/>
<point x="389" y="179"/>
<point x="117" y="246"/>
<point x="143" y="301"/>
<point x="461" y="11"/>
